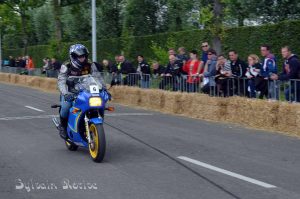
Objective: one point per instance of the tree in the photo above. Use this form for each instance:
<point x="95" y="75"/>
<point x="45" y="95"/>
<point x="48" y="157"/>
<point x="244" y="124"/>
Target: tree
<point x="177" y="13"/>
<point x="140" y="17"/>
<point x="22" y="7"/>
<point x="109" y="18"/>
<point x="43" y="24"/>
<point x="214" y="10"/>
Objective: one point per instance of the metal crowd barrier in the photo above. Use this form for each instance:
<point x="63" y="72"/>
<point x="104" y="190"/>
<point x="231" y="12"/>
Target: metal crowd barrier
<point x="215" y="86"/>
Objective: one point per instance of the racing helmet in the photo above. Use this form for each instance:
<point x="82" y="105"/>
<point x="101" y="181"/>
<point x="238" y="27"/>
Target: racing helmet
<point x="76" y="51"/>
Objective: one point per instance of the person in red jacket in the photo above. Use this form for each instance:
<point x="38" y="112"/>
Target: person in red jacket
<point x="29" y="63"/>
<point x="193" y="69"/>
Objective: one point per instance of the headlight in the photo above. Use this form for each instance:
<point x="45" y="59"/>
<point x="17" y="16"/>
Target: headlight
<point x="95" y="101"/>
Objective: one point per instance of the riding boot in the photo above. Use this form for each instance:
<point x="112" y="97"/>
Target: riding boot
<point x="63" y="128"/>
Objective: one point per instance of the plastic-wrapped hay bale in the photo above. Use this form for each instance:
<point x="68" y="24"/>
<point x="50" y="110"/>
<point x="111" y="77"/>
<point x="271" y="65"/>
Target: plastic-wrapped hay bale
<point x="288" y="118"/>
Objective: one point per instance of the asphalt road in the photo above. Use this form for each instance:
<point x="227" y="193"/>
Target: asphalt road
<point x="149" y="155"/>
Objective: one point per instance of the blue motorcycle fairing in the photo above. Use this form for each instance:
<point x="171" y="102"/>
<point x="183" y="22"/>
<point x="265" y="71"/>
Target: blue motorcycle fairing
<point x="82" y="103"/>
<point x="96" y="120"/>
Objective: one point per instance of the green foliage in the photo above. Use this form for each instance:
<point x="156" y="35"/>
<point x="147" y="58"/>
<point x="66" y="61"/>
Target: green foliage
<point x="206" y="15"/>
<point x="161" y="54"/>
<point x="43" y="25"/>
<point x="109" y="19"/>
<point x="141" y="17"/>
<point x="245" y="40"/>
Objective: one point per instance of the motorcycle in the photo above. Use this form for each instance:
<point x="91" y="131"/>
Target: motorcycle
<point x="86" y="116"/>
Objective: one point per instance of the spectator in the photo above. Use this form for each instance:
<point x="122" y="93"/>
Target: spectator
<point x="205" y="47"/>
<point x="116" y="72"/>
<point x="269" y="68"/>
<point x="253" y="70"/>
<point x="6" y="62"/>
<point x="47" y="66"/>
<point x="107" y="65"/>
<point x="172" y="52"/>
<point x="171" y="74"/>
<point x="223" y="72"/>
<point x="144" y="70"/>
<point x="291" y="71"/>
<point x="55" y="64"/>
<point x="17" y="61"/>
<point x="157" y="69"/>
<point x="191" y="68"/>
<point x="209" y="72"/>
<point x="182" y="56"/>
<point x="238" y="69"/>
<point x="29" y="63"/>
<point x="127" y="69"/>
<point x="12" y="61"/>
<point x="22" y="62"/>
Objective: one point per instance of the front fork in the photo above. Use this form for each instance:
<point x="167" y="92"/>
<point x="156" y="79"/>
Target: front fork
<point x="87" y="129"/>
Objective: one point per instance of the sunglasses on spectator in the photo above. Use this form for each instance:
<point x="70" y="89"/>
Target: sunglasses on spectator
<point x="205" y="46"/>
<point x="209" y="53"/>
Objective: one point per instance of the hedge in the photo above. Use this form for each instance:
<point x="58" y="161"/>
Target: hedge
<point x="245" y="40"/>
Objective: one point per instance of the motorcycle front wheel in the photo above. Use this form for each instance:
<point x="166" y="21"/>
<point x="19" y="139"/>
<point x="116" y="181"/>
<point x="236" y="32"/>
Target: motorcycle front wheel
<point x="98" y="143"/>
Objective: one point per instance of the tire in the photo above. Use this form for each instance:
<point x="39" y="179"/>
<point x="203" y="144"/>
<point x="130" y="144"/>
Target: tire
<point x="71" y="146"/>
<point x="98" y="146"/>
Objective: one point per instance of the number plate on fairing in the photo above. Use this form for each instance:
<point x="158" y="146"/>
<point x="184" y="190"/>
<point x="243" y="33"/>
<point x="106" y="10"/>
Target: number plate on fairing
<point x="94" y="89"/>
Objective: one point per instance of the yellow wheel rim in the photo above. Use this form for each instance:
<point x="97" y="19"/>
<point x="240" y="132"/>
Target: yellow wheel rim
<point x="94" y="136"/>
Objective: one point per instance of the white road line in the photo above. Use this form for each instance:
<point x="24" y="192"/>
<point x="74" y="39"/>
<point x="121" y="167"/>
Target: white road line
<point x="51" y="116"/>
<point x="27" y="117"/>
<point x="128" y="114"/>
<point x="232" y="174"/>
<point x="36" y="109"/>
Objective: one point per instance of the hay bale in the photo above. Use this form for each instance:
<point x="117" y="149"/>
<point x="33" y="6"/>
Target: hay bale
<point x="288" y="117"/>
<point x="21" y="80"/>
<point x="172" y="102"/>
<point x="151" y="99"/>
<point x="187" y="103"/>
<point x="48" y="84"/>
<point x="252" y="112"/>
<point x="117" y="94"/>
<point x="33" y="82"/>
<point x="4" y="77"/>
<point x="208" y="108"/>
<point x="13" y="78"/>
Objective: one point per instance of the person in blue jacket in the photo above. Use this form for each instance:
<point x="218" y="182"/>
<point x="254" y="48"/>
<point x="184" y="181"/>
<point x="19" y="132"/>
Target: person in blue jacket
<point x="291" y="72"/>
<point x="269" y="68"/>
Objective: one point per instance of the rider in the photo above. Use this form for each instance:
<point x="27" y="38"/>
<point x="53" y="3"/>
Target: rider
<point x="77" y="66"/>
